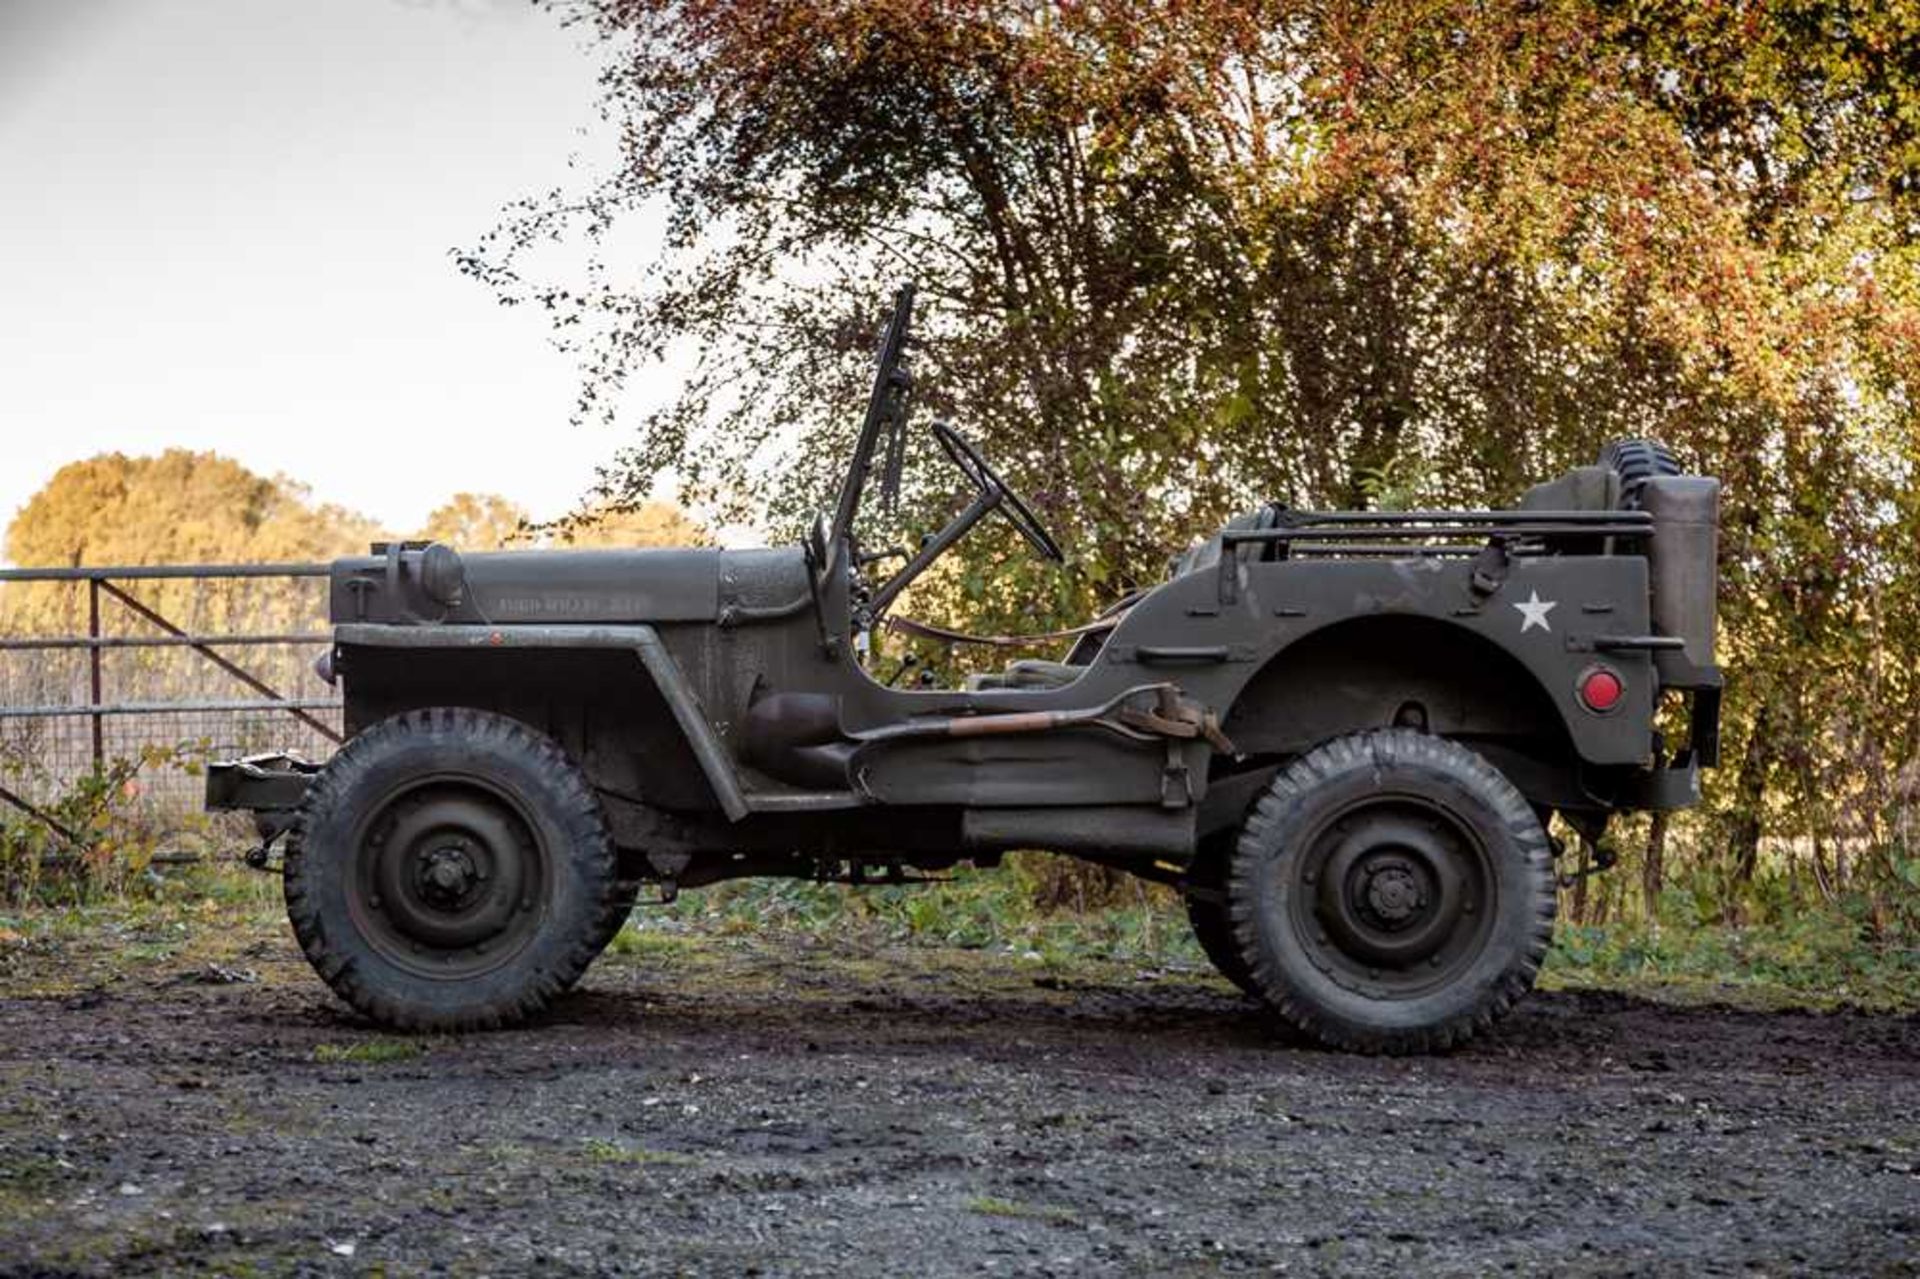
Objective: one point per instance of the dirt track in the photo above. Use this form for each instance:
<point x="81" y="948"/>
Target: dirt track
<point x="796" y="1109"/>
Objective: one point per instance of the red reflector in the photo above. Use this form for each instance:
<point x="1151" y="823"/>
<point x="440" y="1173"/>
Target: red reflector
<point x="1601" y="690"/>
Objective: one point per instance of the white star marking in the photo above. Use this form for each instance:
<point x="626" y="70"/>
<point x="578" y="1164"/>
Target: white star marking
<point x="1534" y="612"/>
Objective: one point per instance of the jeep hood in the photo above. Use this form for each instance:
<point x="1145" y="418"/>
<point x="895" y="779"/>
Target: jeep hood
<point x="530" y="587"/>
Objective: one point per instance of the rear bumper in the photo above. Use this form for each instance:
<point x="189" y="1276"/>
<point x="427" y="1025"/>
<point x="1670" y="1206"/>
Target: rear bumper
<point x="1677" y="784"/>
<point x="270" y="787"/>
<point x="1661" y="789"/>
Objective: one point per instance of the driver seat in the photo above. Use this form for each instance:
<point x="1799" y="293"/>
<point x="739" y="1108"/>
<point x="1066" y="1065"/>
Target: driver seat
<point x="1026" y="672"/>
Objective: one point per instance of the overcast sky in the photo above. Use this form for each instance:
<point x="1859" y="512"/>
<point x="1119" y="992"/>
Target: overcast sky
<point x="225" y="224"/>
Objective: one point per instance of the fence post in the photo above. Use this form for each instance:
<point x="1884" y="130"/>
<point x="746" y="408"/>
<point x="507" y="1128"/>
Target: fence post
<point x="93" y="665"/>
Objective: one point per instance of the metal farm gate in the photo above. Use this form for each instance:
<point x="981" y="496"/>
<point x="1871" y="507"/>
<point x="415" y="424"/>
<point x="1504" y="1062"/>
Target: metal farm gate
<point x="149" y="671"/>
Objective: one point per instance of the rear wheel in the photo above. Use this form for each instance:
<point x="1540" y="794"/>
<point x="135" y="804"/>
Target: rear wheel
<point x="450" y="869"/>
<point x="1391" y="892"/>
<point x="1206" y="896"/>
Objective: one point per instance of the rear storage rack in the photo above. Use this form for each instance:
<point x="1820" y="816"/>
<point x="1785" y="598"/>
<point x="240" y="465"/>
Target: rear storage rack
<point x="1423" y="534"/>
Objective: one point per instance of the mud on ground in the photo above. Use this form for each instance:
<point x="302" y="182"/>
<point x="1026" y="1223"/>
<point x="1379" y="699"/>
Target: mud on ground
<point x="787" y="1106"/>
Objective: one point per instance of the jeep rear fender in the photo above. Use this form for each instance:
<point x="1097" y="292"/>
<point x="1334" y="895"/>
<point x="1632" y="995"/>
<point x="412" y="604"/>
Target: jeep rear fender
<point x="1406" y="669"/>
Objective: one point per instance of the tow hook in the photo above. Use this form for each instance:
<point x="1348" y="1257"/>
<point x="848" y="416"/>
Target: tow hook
<point x="271" y="825"/>
<point x="259" y="857"/>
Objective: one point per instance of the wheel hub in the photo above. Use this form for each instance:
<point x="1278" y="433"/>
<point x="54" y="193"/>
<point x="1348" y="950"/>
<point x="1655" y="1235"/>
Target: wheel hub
<point x="446" y="873"/>
<point x="1390" y="888"/>
<point x="1393" y="895"/>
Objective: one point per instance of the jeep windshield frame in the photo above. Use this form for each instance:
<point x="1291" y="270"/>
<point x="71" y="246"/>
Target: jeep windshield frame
<point x="886" y="411"/>
<point x="886" y="422"/>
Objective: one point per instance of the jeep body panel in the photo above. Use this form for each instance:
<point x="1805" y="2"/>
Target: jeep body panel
<point x="1524" y="645"/>
<point x="716" y="687"/>
<point x="507" y="588"/>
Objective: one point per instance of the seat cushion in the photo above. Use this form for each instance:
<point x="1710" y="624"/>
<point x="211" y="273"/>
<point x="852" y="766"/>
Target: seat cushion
<point x="1207" y="553"/>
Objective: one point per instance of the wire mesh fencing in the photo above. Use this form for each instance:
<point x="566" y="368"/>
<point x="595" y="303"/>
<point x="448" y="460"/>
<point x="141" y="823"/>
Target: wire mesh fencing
<point x="117" y="685"/>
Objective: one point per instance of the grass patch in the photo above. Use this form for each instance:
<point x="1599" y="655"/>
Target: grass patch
<point x="1818" y="959"/>
<point x="1809" y="956"/>
<point x="370" y="1052"/>
<point x="56" y="950"/>
<point x="973" y="909"/>
<point x="1813" y="957"/>
<point x="991" y="1206"/>
<point x="602" y="1151"/>
<point x="636" y="941"/>
<point x="30" y="1174"/>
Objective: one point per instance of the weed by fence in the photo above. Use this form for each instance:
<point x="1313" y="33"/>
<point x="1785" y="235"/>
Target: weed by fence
<point x="117" y="684"/>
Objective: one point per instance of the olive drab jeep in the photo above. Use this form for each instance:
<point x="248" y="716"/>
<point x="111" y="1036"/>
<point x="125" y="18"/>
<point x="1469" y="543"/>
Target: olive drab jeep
<point x="1340" y="734"/>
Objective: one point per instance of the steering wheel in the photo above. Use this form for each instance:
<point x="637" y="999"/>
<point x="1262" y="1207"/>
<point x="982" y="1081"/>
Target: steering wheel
<point x="963" y="455"/>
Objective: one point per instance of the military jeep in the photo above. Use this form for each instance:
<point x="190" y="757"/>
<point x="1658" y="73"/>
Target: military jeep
<point x="1342" y="735"/>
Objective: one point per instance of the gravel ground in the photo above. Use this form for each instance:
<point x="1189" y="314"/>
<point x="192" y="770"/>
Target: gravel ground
<point x="782" y="1106"/>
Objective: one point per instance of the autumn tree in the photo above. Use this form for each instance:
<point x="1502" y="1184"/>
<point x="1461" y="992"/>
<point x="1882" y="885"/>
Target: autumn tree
<point x="1183" y="257"/>
<point x="479" y="522"/>
<point x="178" y="508"/>
<point x="651" y="523"/>
<point x="489" y="522"/>
<point x="196" y="508"/>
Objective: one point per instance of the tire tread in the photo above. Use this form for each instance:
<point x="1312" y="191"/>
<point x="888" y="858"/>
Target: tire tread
<point x="1637" y="461"/>
<point x="1258" y="847"/>
<point x="579" y="815"/>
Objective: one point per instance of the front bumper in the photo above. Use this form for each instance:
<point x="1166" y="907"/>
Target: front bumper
<point x="273" y="782"/>
<point x="269" y="786"/>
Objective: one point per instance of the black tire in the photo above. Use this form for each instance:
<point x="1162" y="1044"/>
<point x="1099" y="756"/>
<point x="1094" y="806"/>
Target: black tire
<point x="1636" y="462"/>
<point x="1206" y="898"/>
<point x="450" y="869"/>
<point x="1391" y="893"/>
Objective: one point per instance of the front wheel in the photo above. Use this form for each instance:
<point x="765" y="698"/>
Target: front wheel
<point x="450" y="869"/>
<point x="1391" y="892"/>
